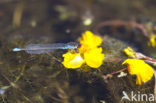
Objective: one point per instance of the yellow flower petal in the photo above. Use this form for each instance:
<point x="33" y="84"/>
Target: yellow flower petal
<point x="143" y="71"/>
<point x="89" y="40"/>
<point x="72" y="60"/>
<point x="94" y="58"/>
<point x="152" y="41"/>
<point x="129" y="51"/>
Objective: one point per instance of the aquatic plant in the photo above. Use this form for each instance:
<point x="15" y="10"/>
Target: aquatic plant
<point x="147" y="28"/>
<point x="88" y="52"/>
<point x="129" y="51"/>
<point x="152" y="41"/>
<point x="142" y="70"/>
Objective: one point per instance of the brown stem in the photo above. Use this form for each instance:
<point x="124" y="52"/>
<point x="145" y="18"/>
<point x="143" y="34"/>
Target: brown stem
<point x="123" y="23"/>
<point x="110" y="74"/>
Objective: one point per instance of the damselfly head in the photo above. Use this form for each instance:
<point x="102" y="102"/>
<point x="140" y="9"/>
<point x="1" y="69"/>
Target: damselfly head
<point x="75" y="44"/>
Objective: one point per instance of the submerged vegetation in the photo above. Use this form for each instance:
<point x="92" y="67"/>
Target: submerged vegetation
<point x="117" y="57"/>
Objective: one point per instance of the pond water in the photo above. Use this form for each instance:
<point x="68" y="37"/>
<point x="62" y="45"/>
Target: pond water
<point x="31" y="78"/>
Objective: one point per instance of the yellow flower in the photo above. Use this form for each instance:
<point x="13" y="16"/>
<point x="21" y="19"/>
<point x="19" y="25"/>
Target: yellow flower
<point x="72" y="60"/>
<point x="152" y="41"/>
<point x="94" y="58"/>
<point x="90" y="40"/>
<point x="129" y="51"/>
<point x="89" y="52"/>
<point x="137" y="67"/>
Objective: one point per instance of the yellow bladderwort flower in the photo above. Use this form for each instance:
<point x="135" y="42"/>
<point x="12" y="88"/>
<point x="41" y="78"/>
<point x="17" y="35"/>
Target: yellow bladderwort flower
<point x="72" y="60"/>
<point x="142" y="70"/>
<point x="88" y="52"/>
<point x="94" y="58"/>
<point x="129" y="51"/>
<point x="89" y="41"/>
<point x="152" y="41"/>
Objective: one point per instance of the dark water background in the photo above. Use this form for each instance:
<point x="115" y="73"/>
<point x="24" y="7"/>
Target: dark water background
<point x="42" y="78"/>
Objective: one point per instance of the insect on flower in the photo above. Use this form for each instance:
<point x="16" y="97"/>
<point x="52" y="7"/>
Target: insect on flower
<point x="89" y="52"/>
